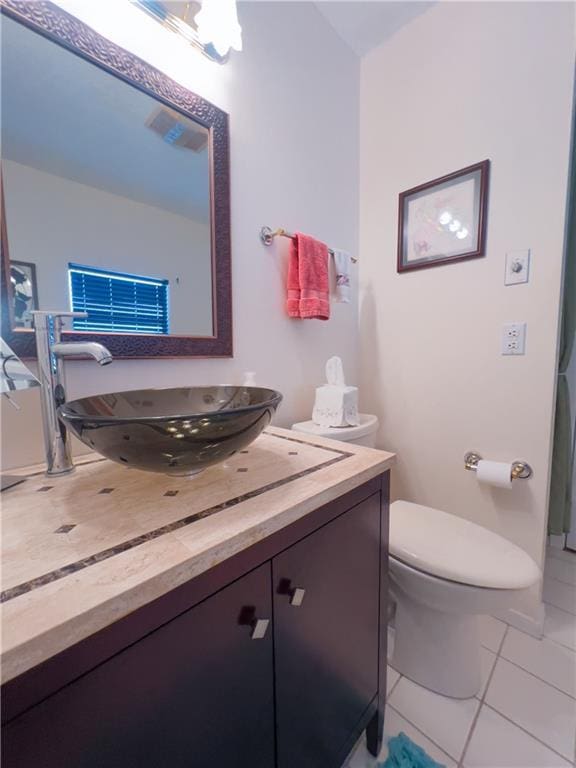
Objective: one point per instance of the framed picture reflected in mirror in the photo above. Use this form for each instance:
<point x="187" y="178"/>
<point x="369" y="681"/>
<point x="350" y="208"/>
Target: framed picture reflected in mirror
<point x="24" y="291"/>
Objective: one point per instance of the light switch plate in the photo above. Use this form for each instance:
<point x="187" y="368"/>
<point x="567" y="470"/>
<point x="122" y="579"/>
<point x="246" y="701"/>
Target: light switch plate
<point x="517" y="267"/>
<point x="514" y="339"/>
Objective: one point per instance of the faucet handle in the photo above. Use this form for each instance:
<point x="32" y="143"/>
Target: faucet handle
<point x="57" y="313"/>
<point x="43" y="319"/>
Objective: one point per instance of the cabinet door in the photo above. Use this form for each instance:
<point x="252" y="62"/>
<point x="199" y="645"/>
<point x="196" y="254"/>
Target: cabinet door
<point x="326" y="648"/>
<point x="196" y="693"/>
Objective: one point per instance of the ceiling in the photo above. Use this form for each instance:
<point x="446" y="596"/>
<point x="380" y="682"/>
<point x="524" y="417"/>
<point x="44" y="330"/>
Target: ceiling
<point x="64" y="116"/>
<point x="365" y="24"/>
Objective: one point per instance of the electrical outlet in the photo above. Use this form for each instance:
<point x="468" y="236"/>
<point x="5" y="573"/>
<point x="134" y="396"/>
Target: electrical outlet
<point x="514" y="339"/>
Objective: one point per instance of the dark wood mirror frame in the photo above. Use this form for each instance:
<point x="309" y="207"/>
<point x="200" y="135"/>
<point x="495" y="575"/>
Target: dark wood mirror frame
<point x="63" y="29"/>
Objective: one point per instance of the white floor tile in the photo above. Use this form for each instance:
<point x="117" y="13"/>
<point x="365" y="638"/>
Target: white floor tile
<point x="555" y="541"/>
<point x="487" y="660"/>
<point x="491" y="632"/>
<point x="497" y="743"/>
<point x="560" y="626"/>
<point x="361" y="758"/>
<point x="551" y="662"/>
<point x="445" y="721"/>
<point x="561" y="554"/>
<point x="394" y="724"/>
<point x="534" y="705"/>
<point x="391" y="679"/>
<point x="559" y="594"/>
<point x="563" y="570"/>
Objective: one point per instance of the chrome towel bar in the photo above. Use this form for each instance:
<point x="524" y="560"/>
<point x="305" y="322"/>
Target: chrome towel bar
<point x="267" y="236"/>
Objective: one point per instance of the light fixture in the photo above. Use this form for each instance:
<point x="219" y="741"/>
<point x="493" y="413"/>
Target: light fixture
<point x="218" y="26"/>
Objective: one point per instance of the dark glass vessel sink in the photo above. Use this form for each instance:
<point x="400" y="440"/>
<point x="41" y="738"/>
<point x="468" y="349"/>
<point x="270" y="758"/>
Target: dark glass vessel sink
<point x="173" y="431"/>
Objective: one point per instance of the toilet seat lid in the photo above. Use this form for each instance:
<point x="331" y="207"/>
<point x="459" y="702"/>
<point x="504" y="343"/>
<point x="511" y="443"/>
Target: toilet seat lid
<point x="452" y="548"/>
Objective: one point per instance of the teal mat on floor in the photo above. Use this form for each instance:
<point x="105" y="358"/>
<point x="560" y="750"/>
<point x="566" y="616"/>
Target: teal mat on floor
<point x="403" y="753"/>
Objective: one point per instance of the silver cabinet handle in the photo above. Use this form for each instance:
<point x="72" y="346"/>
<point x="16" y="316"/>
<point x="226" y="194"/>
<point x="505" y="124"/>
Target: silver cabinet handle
<point x="259" y="629"/>
<point x="297" y="597"/>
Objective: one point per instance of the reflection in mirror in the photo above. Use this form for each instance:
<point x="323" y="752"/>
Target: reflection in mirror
<point x="24" y="292"/>
<point x="106" y="194"/>
<point x="15" y="375"/>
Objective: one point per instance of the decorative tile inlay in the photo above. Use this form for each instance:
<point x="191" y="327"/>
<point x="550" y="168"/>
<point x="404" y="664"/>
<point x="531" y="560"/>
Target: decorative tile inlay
<point x="86" y="562"/>
<point x="314" y="445"/>
<point x="65" y="528"/>
<point x="45" y="488"/>
<point x="40" y="469"/>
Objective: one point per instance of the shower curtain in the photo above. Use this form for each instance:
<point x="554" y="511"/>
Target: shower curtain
<point x="563" y="448"/>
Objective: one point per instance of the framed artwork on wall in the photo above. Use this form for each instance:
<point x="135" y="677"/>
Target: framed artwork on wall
<point x="25" y="292"/>
<point x="444" y="220"/>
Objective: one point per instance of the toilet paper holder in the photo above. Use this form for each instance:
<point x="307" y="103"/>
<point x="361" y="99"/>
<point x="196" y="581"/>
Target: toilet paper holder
<point x="521" y="470"/>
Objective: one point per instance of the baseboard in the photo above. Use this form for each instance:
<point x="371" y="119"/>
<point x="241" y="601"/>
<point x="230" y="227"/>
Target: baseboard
<point x="528" y="623"/>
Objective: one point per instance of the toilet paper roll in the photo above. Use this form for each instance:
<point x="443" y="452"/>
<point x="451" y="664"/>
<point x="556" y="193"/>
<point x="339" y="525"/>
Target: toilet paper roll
<point x="496" y="473"/>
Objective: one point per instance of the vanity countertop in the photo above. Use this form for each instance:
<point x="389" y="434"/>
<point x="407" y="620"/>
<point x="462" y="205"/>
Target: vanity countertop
<point x="83" y="550"/>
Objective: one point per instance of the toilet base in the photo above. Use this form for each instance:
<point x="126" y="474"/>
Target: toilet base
<point x="438" y="650"/>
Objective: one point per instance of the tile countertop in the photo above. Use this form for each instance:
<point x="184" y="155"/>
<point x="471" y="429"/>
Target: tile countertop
<point x="83" y="550"/>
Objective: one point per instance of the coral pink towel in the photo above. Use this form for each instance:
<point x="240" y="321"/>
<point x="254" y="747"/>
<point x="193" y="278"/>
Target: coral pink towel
<point x="308" y="279"/>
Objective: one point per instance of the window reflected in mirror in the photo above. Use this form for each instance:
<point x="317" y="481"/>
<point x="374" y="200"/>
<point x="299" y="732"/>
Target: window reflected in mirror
<point x="117" y="302"/>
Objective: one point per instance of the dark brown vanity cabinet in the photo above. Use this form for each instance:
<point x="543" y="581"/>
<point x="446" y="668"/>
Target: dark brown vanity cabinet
<point x="198" y="692"/>
<point x="215" y="685"/>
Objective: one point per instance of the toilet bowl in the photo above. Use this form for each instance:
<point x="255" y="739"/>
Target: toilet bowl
<point x="444" y="573"/>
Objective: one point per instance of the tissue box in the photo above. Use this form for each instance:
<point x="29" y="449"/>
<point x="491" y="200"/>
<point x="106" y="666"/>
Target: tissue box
<point x="336" y="406"/>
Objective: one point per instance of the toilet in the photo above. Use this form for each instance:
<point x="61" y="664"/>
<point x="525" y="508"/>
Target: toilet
<point x="445" y="572"/>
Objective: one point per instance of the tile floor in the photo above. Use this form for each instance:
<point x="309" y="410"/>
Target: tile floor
<point x="525" y="714"/>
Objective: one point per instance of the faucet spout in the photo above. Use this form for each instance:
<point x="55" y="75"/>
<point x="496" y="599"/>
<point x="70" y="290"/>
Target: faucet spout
<point x="83" y="349"/>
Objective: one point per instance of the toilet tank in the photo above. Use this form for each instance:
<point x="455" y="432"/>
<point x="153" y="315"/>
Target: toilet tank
<point x="362" y="434"/>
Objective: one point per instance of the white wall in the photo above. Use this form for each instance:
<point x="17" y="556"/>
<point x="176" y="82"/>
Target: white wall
<point x="53" y="221"/>
<point x="571" y="376"/>
<point x="462" y="83"/>
<point x="292" y="96"/>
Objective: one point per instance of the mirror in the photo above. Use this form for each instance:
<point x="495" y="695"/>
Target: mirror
<point x="14" y="376"/>
<point x="110" y="200"/>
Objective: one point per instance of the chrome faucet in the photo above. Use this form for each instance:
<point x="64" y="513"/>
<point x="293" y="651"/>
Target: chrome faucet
<point x="51" y="351"/>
